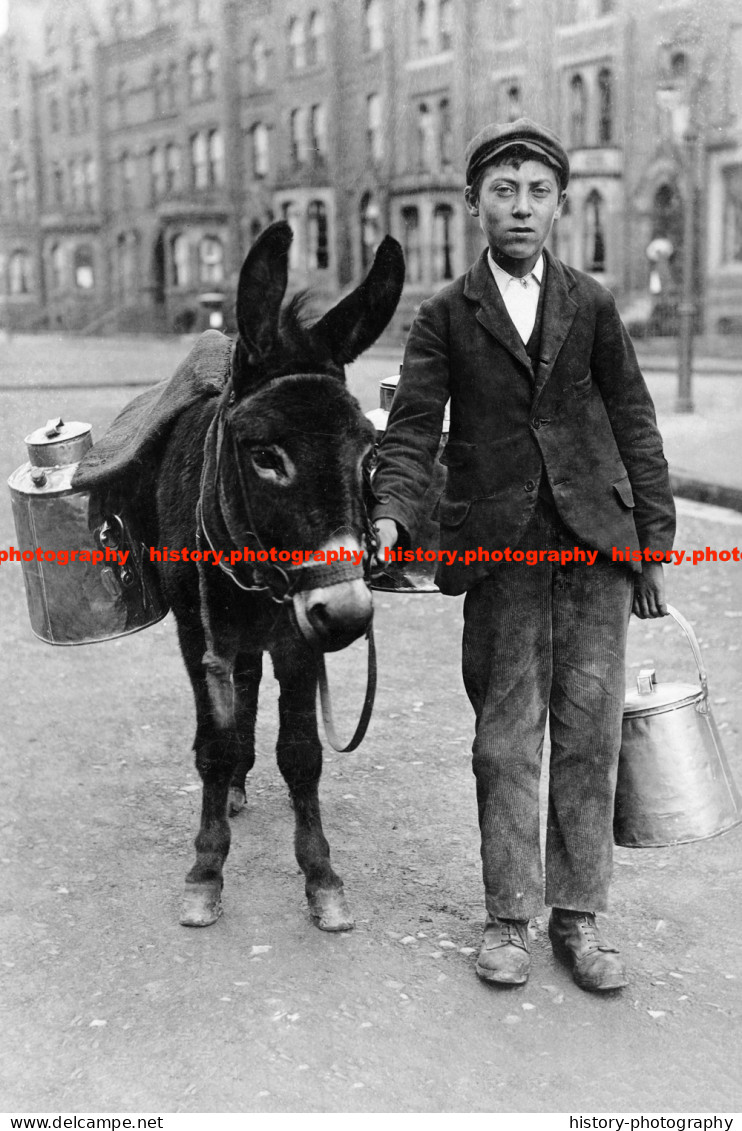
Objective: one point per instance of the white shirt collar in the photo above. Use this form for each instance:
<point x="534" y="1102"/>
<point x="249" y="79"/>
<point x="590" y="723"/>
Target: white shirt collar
<point x="503" y="279"/>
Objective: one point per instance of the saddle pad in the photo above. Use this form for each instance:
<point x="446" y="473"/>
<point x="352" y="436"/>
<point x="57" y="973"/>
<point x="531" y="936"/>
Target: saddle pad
<point x="145" y="422"/>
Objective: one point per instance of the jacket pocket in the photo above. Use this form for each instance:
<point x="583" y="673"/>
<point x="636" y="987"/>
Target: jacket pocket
<point x="457" y="453"/>
<point x="582" y="387"/>
<point x="451" y="513"/>
<point x="624" y="492"/>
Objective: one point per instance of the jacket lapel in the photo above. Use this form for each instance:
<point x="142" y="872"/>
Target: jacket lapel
<point x="559" y="314"/>
<point x="481" y="288"/>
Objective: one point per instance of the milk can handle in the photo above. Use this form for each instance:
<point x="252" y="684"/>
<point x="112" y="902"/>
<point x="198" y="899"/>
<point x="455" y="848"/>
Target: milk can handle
<point x="688" y="630"/>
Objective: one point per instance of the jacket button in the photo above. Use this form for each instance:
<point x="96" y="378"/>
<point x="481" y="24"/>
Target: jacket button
<point x="529" y="485"/>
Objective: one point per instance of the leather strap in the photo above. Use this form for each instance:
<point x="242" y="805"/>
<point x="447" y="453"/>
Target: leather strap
<point x="368" y="703"/>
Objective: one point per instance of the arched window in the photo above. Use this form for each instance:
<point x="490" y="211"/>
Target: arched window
<point x="259" y="60"/>
<point x="211" y="66"/>
<point x="577" y="112"/>
<point x="425" y="138"/>
<point x="260" y="151"/>
<point x="73" y="118"/>
<point x="180" y="261"/>
<point x="83" y="268"/>
<point x="56" y="262"/>
<point x="195" y="77"/>
<point x="373" y="27"/>
<point x="318" y="256"/>
<point x="511" y="18"/>
<point x="370" y="229"/>
<point x="58" y="185"/>
<point x="127" y="265"/>
<point x="374" y="133"/>
<point x="19" y="273"/>
<point x="317" y="131"/>
<point x="211" y="260"/>
<point x="594" y="232"/>
<point x="199" y="161"/>
<point x="445" y="24"/>
<point x="316" y="43"/>
<point x="732" y="245"/>
<point x="171" y="87"/>
<point x="297" y="56"/>
<point x="424" y="27"/>
<point x="679" y="66"/>
<point x="442" y="242"/>
<point x="121" y="98"/>
<point x="75" y="48"/>
<point x="411" y="244"/>
<point x="91" y="182"/>
<point x="128" y="170"/>
<point x="296" y="140"/>
<point x="172" y="167"/>
<point x="512" y="102"/>
<point x="77" y="182"/>
<point x="54" y="116"/>
<point x="19" y="187"/>
<point x="157" y="180"/>
<point x="216" y="158"/>
<point x="605" y="118"/>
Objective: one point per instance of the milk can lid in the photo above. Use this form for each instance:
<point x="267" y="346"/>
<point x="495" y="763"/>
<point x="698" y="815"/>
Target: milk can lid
<point x="662" y="697"/>
<point x="57" y="431"/>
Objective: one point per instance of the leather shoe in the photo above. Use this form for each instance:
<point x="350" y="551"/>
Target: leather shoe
<point x="504" y="955"/>
<point x="595" y="965"/>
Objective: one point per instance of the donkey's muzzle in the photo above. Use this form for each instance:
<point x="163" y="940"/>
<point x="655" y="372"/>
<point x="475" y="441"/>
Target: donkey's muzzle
<point x="333" y="616"/>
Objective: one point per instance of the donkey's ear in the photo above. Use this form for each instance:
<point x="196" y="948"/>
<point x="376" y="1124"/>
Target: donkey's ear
<point x="261" y="288"/>
<point x="358" y="319"/>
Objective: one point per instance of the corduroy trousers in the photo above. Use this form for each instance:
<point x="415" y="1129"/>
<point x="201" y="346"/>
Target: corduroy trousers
<point x="547" y="642"/>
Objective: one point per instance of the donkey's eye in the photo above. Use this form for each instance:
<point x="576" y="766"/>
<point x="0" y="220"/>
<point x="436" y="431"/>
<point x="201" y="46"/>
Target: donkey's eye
<point x="267" y="459"/>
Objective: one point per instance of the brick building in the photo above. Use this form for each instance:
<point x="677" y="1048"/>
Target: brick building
<point x="145" y="143"/>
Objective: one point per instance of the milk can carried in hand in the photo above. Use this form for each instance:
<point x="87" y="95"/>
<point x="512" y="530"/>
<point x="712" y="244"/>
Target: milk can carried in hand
<point x="81" y="601"/>
<point x="674" y="782"/>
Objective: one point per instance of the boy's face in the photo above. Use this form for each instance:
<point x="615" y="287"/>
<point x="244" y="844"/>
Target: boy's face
<point x="516" y="209"/>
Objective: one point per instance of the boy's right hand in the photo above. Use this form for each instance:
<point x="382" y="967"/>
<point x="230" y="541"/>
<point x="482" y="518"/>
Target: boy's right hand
<point x="387" y="537"/>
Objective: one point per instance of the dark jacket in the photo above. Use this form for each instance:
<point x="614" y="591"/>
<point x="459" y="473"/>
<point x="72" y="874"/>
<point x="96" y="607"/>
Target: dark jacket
<point x="583" y="417"/>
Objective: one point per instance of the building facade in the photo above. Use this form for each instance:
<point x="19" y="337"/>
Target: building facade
<point x="145" y="143"/>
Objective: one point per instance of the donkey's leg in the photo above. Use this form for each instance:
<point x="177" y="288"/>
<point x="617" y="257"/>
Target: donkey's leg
<point x="216" y="747"/>
<point x="300" y="761"/>
<point x="247" y="673"/>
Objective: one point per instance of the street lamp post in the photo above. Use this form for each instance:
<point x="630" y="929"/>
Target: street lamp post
<point x="687" y="304"/>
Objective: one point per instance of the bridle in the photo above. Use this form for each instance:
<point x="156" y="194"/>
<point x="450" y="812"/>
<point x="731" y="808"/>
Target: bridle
<point x="220" y="527"/>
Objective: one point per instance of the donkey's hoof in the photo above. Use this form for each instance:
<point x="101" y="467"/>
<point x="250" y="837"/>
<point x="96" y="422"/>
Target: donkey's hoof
<point x="236" y="801"/>
<point x="329" y="907"/>
<point x="202" y="905"/>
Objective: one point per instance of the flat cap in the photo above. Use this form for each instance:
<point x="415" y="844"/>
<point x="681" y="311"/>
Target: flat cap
<point x="498" y="136"/>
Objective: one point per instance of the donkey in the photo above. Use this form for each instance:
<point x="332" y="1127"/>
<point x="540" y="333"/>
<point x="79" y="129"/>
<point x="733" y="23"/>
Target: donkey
<point x="277" y="461"/>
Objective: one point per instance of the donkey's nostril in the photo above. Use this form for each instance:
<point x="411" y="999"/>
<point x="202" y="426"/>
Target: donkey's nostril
<point x="319" y="616"/>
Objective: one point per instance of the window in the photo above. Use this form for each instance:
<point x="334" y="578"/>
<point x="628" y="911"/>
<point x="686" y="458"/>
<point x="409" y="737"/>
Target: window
<point x="157" y="181"/>
<point x="75" y="48"/>
<point x="577" y="112"/>
<point x="77" y="184"/>
<point x="605" y="119"/>
<point x="259" y="61"/>
<point x="445" y="134"/>
<point x="19" y="188"/>
<point x="255" y="229"/>
<point x="91" y="182"/>
<point x="122" y="16"/>
<point x="83" y="268"/>
<point x="297" y="56"/>
<point x="373" y="28"/>
<point x="171" y="87"/>
<point x="594" y="233"/>
<point x="316" y="43"/>
<point x="374" y="134"/>
<point x="425" y="38"/>
<point x="370" y="234"/>
<point x="216" y="158"/>
<point x="180" y="260"/>
<point x="425" y="138"/>
<point x="732" y="247"/>
<point x="56" y="263"/>
<point x="442" y="247"/>
<point x="58" y="186"/>
<point x="50" y="37"/>
<point x="55" y="121"/>
<point x="199" y="161"/>
<point x="211" y="65"/>
<point x="511" y="18"/>
<point x="15" y="123"/>
<point x="317" y="249"/>
<point x="445" y="24"/>
<point x="196" y="77"/>
<point x="563" y="233"/>
<point x="296" y="148"/>
<point x="512" y="102"/>
<point x="317" y="132"/>
<point x="127" y="265"/>
<point x="126" y="162"/>
<point x="158" y="91"/>
<point x="199" y="11"/>
<point x="85" y="105"/>
<point x="121" y="99"/>
<point x="73" y="120"/>
<point x="172" y="167"/>
<point x="19" y="273"/>
<point x="211" y="260"/>
<point x="260" y="150"/>
<point x="607" y="7"/>
<point x="290" y="214"/>
<point x="411" y="244"/>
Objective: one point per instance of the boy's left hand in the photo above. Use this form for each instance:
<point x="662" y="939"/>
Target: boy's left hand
<point x="649" y="592"/>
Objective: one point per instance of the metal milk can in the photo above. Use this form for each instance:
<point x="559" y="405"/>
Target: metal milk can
<point x="417" y="576"/>
<point x="674" y="782"/>
<point x="78" y="601"/>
